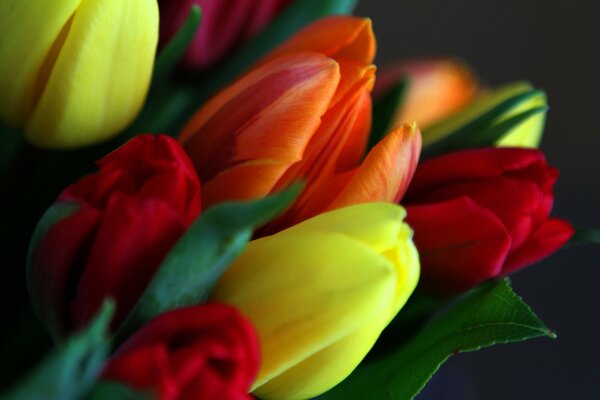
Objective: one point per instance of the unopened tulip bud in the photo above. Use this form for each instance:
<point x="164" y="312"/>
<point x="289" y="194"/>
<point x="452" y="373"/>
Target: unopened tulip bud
<point x="75" y="72"/>
<point x="320" y="293"/>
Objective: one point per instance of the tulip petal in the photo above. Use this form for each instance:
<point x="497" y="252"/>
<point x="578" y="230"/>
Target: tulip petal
<point x="239" y="133"/>
<point x="545" y="240"/>
<point x="53" y="267"/>
<point x="387" y="170"/>
<point x="460" y="244"/>
<point x="303" y="301"/>
<point x="30" y="35"/>
<point x="339" y="37"/>
<point x="471" y="164"/>
<point x="436" y="89"/>
<point x="378" y="225"/>
<point x="133" y="237"/>
<point x="84" y="99"/>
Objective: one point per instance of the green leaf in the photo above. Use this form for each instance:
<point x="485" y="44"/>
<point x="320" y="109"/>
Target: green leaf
<point x="70" y="371"/>
<point x="488" y="315"/>
<point x="116" y="391"/>
<point x="171" y="54"/>
<point x="585" y="236"/>
<point x="487" y="120"/>
<point x="179" y="103"/>
<point x="384" y="111"/>
<point x="195" y="263"/>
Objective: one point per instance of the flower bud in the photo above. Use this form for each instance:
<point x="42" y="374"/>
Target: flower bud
<point x="123" y="221"/>
<point x="320" y="293"/>
<point x="75" y="72"/>
<point x="304" y="113"/>
<point x="225" y="26"/>
<point x="201" y="352"/>
<point x="480" y="214"/>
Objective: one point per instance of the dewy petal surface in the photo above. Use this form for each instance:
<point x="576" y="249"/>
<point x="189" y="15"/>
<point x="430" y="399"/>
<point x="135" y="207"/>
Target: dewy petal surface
<point x="110" y="46"/>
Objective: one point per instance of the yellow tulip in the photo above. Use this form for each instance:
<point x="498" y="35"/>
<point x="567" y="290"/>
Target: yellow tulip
<point x="528" y="133"/>
<point x="75" y="72"/>
<point x="320" y="293"/>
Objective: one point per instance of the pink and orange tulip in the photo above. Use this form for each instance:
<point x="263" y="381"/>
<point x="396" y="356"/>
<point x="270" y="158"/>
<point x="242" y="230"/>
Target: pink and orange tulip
<point x="303" y="113"/>
<point x="436" y="88"/>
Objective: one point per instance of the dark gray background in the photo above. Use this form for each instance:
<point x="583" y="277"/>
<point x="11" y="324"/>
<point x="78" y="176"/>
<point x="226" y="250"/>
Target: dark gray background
<point x="554" y="44"/>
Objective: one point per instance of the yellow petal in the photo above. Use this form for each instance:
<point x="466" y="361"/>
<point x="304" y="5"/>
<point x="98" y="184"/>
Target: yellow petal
<point x="377" y="225"/>
<point x="320" y="293"/>
<point x="101" y="75"/>
<point x="28" y="31"/>
<point x="528" y="133"/>
<point x="305" y="292"/>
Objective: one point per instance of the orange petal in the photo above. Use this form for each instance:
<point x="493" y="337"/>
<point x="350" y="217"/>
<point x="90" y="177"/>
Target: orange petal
<point x="266" y="118"/>
<point x="437" y="88"/>
<point x="339" y="37"/>
<point x="386" y="171"/>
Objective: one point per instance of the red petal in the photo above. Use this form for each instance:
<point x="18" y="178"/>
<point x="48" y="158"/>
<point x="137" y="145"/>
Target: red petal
<point x="545" y="240"/>
<point x="461" y="244"/>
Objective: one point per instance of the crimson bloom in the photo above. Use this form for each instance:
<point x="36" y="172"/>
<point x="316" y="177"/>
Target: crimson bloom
<point x="225" y="25"/>
<point x="479" y="214"/>
<point x="126" y="218"/>
<point x="201" y="352"/>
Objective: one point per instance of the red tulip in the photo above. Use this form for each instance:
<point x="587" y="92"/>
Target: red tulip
<point x="304" y="113"/>
<point x="225" y="25"/>
<point x="128" y="216"/>
<point x="479" y="214"/>
<point x="201" y="352"/>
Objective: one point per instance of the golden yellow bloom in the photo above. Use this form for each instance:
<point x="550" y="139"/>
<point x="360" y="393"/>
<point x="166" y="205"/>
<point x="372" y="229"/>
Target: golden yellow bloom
<point x="75" y="72"/>
<point x="320" y="293"/>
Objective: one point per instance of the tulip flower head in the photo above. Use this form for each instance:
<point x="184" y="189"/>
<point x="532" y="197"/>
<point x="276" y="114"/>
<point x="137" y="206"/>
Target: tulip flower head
<point x="320" y="293"/>
<point x="479" y="214"/>
<point x="436" y="89"/>
<point x="75" y="72"/>
<point x="303" y="113"/>
<point x="225" y="25"/>
<point x="125" y="219"/>
<point x="201" y="352"/>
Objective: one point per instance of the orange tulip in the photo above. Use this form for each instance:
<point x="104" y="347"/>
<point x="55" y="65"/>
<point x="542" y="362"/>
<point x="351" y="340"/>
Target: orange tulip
<point x="303" y="113"/>
<point x="436" y="89"/>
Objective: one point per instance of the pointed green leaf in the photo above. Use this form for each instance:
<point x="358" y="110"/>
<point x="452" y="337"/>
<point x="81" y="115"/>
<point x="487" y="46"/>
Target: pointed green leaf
<point x="585" y="236"/>
<point x="384" y="111"/>
<point x="195" y="263"/>
<point x="488" y="315"/>
<point x="486" y="121"/>
<point x="171" y="54"/>
<point x="70" y="371"/>
<point x="116" y="391"/>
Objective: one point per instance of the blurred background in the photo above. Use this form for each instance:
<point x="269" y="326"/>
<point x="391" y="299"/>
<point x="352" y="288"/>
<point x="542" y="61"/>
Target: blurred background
<point x="554" y="45"/>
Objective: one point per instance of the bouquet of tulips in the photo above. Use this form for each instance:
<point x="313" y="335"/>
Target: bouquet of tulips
<point x="267" y="215"/>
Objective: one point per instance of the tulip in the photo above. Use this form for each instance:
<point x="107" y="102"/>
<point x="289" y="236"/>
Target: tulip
<point x="320" y="293"/>
<point x="303" y="113"/>
<point x="436" y="89"/>
<point x="480" y="214"/>
<point x="125" y="219"/>
<point x="200" y="352"/>
<point x="75" y="72"/>
<point x="443" y="94"/>
<point x="225" y="25"/>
